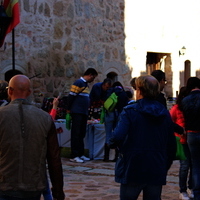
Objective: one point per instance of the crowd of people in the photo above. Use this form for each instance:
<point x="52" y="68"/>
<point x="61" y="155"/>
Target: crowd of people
<point x="140" y="128"/>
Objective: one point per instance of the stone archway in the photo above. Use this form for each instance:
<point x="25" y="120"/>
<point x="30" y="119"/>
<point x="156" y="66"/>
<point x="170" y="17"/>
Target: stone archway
<point x="7" y="68"/>
<point x="9" y="74"/>
<point x="114" y="69"/>
<point x="113" y="76"/>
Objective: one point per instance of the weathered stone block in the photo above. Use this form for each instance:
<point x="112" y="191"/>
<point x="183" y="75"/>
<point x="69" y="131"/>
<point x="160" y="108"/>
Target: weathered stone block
<point x="70" y="11"/>
<point x="78" y="7"/>
<point x="68" y="45"/>
<point x="70" y="72"/>
<point x="36" y="83"/>
<point x="58" y="8"/>
<point x="68" y="58"/>
<point x="50" y="86"/>
<point x="58" y="30"/>
<point x="47" y="10"/>
<point x="57" y="45"/>
<point x="26" y="5"/>
<point x="59" y="71"/>
<point x="57" y="83"/>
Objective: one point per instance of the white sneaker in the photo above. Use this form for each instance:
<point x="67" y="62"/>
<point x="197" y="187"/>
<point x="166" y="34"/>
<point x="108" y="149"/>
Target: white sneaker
<point x="191" y="194"/>
<point x="184" y="196"/>
<point x="85" y="158"/>
<point x="77" y="159"/>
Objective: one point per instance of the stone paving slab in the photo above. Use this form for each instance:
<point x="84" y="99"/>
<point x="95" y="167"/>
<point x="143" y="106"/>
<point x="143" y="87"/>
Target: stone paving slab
<point x="80" y="169"/>
<point x="94" y="180"/>
<point x="101" y="171"/>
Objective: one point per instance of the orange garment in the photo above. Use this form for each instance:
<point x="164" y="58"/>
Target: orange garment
<point x="178" y="118"/>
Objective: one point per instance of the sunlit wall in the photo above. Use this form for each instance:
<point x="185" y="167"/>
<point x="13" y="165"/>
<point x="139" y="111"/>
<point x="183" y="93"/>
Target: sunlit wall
<point x="162" y="26"/>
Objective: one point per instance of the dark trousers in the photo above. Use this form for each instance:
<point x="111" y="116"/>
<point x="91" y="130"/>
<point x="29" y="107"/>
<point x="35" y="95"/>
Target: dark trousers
<point x="185" y="181"/>
<point x="132" y="191"/>
<point x="193" y="140"/>
<point x="78" y="132"/>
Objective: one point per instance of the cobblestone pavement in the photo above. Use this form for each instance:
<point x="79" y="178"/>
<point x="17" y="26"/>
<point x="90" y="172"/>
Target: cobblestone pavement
<point x="94" y="180"/>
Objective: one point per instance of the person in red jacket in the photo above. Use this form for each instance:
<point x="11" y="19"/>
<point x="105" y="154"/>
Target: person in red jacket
<point x="53" y="111"/>
<point x="185" y="165"/>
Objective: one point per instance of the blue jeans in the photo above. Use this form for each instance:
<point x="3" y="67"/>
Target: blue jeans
<point x="110" y="123"/>
<point x="4" y="197"/>
<point x="132" y="191"/>
<point x="185" y="169"/>
<point x="193" y="140"/>
<point x="47" y="193"/>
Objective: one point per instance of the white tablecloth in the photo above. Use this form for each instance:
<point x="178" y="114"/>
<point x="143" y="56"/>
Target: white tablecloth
<point x="94" y="140"/>
<point x="64" y="137"/>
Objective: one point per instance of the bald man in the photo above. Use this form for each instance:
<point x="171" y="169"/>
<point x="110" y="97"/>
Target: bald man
<point x="27" y="139"/>
<point x="146" y="142"/>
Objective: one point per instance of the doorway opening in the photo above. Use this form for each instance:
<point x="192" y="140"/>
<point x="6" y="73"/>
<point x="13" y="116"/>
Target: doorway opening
<point x="161" y="61"/>
<point x="9" y="74"/>
<point x="156" y="61"/>
<point x="187" y="70"/>
<point x="113" y="76"/>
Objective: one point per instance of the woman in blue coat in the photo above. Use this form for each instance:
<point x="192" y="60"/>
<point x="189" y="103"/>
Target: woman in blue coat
<point x="147" y="146"/>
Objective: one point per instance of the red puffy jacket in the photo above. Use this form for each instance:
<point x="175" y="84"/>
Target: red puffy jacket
<point x="178" y="118"/>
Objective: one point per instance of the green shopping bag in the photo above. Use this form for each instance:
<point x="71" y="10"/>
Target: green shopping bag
<point x="68" y="121"/>
<point x="102" y="115"/>
<point x="180" y="154"/>
<point x="111" y="102"/>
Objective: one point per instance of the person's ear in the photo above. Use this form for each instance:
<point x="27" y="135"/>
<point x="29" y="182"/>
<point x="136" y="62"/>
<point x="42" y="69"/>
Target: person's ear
<point x="138" y="94"/>
<point x="10" y="91"/>
<point x="29" y="92"/>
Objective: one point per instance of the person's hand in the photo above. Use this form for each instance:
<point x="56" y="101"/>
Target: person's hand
<point x="55" y="103"/>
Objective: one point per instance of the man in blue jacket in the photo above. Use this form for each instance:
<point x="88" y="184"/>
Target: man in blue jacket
<point x="147" y="146"/>
<point x="98" y="95"/>
<point x="78" y="104"/>
<point x="99" y="90"/>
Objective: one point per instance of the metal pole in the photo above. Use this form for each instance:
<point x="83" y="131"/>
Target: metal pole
<point x="13" y="51"/>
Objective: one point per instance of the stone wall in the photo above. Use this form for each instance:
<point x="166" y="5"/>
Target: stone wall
<point x="58" y="40"/>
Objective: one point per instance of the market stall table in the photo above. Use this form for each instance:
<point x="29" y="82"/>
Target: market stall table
<point x="94" y="140"/>
<point x="96" y="137"/>
<point x="64" y="135"/>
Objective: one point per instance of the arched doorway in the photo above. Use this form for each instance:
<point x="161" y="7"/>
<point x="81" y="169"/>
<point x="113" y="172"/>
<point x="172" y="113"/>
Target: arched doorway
<point x="113" y="76"/>
<point x="187" y="71"/>
<point x="9" y="74"/>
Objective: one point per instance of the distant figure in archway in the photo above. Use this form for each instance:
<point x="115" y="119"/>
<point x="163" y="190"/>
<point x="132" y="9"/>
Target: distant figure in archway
<point x="3" y="93"/>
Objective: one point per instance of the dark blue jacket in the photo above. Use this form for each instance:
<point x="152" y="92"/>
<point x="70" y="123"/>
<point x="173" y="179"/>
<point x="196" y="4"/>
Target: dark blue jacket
<point x="97" y="93"/>
<point x="147" y="145"/>
<point x="191" y="110"/>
